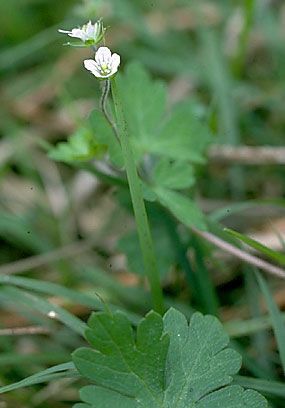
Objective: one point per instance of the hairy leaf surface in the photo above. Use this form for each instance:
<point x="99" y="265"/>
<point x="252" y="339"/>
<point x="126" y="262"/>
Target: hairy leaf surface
<point x="167" y="363"/>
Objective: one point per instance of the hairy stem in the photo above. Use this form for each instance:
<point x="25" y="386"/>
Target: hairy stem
<point x="135" y="186"/>
<point x="103" y="105"/>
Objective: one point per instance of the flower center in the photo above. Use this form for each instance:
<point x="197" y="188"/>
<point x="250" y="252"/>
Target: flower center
<point x="105" y="68"/>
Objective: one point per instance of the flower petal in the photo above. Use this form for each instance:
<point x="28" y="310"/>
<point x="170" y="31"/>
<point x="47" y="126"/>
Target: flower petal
<point x="91" y="66"/>
<point x="116" y="60"/>
<point x="90" y="30"/>
<point x="103" y="56"/>
<point x="64" y="31"/>
<point x="78" y="33"/>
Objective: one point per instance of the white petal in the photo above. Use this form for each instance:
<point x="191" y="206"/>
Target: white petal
<point x="116" y="60"/>
<point x="64" y="31"/>
<point x="103" y="56"/>
<point x="99" y="75"/>
<point x="90" y="30"/>
<point x="91" y="66"/>
<point x="78" y="33"/>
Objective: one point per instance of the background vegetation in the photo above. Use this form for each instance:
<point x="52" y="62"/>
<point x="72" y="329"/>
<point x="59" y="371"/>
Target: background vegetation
<point x="76" y="231"/>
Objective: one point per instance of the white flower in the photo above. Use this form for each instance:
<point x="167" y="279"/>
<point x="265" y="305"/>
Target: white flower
<point x="105" y="64"/>
<point x="91" y="33"/>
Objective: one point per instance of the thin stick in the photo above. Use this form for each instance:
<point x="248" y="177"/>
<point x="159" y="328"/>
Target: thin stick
<point x="36" y="261"/>
<point x="247" y="154"/>
<point x="21" y="331"/>
<point x="238" y="253"/>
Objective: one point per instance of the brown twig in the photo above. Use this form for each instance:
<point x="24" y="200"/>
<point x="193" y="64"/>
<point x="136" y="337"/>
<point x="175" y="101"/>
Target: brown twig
<point x="238" y="253"/>
<point x="21" y="331"/>
<point x="247" y="154"/>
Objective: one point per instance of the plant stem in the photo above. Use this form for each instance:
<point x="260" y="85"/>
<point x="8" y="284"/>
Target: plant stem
<point x="135" y="187"/>
<point x="103" y="102"/>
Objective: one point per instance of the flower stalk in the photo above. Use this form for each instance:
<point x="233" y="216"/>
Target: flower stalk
<point x="104" y="67"/>
<point x="145" y="238"/>
<point x="103" y="104"/>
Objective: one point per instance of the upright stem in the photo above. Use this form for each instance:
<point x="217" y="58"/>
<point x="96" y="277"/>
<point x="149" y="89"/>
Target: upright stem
<point x="145" y="238"/>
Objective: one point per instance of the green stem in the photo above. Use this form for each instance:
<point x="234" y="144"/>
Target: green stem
<point x="135" y="186"/>
<point x="103" y="103"/>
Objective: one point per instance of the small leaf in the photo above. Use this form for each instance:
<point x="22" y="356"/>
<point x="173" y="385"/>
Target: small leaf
<point x="144" y="103"/>
<point x="104" y="134"/>
<point x="183" y="136"/>
<point x="81" y="146"/>
<point x="184" y="209"/>
<point x="173" y="174"/>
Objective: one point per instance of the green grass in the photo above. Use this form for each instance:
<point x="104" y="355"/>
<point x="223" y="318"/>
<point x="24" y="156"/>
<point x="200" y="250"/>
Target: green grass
<point x="227" y="58"/>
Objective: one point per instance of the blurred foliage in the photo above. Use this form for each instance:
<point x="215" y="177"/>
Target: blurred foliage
<point x="228" y="59"/>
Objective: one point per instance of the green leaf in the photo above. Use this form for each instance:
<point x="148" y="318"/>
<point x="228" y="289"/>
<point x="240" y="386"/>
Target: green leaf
<point x="198" y="357"/>
<point x="81" y="146"/>
<point x="179" y="136"/>
<point x="183" y="136"/>
<point x="144" y="104"/>
<point x="167" y="364"/>
<point x="132" y="369"/>
<point x="232" y="397"/>
<point x="173" y="174"/>
<point x="276" y="317"/>
<point x="184" y="209"/>
<point x="130" y="246"/>
<point x="104" y="134"/>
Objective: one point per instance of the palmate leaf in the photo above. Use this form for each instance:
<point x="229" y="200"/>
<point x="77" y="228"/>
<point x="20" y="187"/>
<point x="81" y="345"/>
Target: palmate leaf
<point x="167" y="364"/>
<point x="173" y="174"/>
<point x="182" y="136"/>
<point x="166" y="144"/>
<point x="182" y="207"/>
<point x="144" y="102"/>
<point x="179" y="135"/>
<point x="81" y="146"/>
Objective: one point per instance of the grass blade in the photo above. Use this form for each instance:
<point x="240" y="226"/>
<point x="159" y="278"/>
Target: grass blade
<point x="275" y="255"/>
<point x="276" y="317"/>
<point x="53" y="289"/>
<point x="270" y="388"/>
<point x="56" y="372"/>
<point x="20" y="298"/>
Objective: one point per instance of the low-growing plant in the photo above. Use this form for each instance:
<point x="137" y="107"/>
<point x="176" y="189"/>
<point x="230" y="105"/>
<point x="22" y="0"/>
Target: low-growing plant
<point x="151" y="152"/>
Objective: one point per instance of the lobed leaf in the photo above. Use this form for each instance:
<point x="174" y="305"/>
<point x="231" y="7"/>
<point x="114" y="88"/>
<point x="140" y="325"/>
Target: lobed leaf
<point x="167" y="364"/>
<point x="81" y="146"/>
<point x="183" y="208"/>
<point x="173" y="174"/>
<point x="182" y="136"/>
